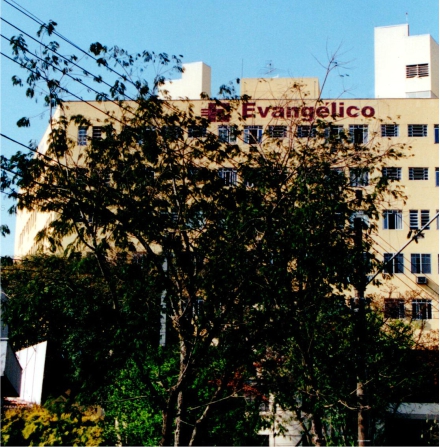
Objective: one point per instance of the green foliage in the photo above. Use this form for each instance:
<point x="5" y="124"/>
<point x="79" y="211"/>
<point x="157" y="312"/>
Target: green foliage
<point x="314" y="371"/>
<point x="65" y="301"/>
<point x="131" y="418"/>
<point x="60" y="424"/>
<point x="4" y="230"/>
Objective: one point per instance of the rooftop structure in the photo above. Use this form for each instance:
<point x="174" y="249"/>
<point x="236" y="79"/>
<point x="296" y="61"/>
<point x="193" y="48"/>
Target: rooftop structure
<point x="195" y="81"/>
<point x="405" y="66"/>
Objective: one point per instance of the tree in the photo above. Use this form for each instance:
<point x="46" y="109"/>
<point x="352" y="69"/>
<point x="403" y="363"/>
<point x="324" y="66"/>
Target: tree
<point x="227" y="257"/>
<point x="64" y="301"/>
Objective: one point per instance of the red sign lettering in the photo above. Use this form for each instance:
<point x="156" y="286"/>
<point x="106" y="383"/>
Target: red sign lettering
<point x="367" y="111"/>
<point x="220" y="111"/>
<point x="322" y="112"/>
<point x="262" y="113"/>
<point x="350" y="112"/>
<point x="248" y="109"/>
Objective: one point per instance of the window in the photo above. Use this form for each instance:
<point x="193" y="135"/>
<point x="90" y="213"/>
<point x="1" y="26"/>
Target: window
<point x="82" y="136"/>
<point x="436" y="177"/>
<point x="413" y="219"/>
<point x="417" y="130"/>
<point x="394" y="308"/>
<point x="171" y="132"/>
<point x="147" y="135"/>
<point x="264" y="408"/>
<point x="418" y="173"/>
<point x="338" y="171"/>
<point x="196" y="131"/>
<point x="395" y="265"/>
<point x="359" y="133"/>
<point x="334" y="130"/>
<point x="358" y="178"/>
<point x="420" y="263"/>
<point x="436" y="133"/>
<point x="389" y="130"/>
<point x="97" y="132"/>
<point x="392" y="173"/>
<point x="253" y="134"/>
<point x="417" y="220"/>
<point x="229" y="176"/>
<point x="198" y="307"/>
<point x="421" y="309"/>
<point x="277" y="131"/>
<point x="417" y="71"/>
<point x="227" y="134"/>
<point x="424" y="218"/>
<point x="305" y="131"/>
<point x="392" y="220"/>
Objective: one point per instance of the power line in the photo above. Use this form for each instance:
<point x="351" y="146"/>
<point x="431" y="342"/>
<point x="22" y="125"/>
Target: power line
<point x="413" y="238"/>
<point x="406" y="268"/>
<point x="35" y="151"/>
<point x="33" y="17"/>
<point x="98" y="79"/>
<point x="167" y="105"/>
<point x="40" y="22"/>
<point x="62" y="88"/>
<point x="70" y="76"/>
<point x="398" y="275"/>
<point x="20" y="9"/>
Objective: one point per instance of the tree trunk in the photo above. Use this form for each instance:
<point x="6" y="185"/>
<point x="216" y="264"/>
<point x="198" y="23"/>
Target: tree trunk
<point x="180" y="401"/>
<point x="178" y="432"/>
<point x="167" y="421"/>
<point x="318" y="431"/>
<point x="204" y="415"/>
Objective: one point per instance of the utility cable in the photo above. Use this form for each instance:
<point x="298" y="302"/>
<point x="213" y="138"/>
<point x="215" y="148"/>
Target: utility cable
<point x="407" y="269"/>
<point x="413" y="238"/>
<point x="41" y="23"/>
<point x="166" y="103"/>
<point x="70" y="76"/>
<point x="36" y="151"/>
<point x="98" y="79"/>
<point x="63" y="88"/>
<point x="398" y="276"/>
<point x="405" y="275"/>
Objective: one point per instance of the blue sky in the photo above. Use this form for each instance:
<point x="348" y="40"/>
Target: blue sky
<point x="235" y="38"/>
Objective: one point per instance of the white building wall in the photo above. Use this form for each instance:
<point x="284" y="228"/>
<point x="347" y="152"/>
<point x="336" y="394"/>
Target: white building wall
<point x="32" y="361"/>
<point x="418" y="51"/>
<point x="285" y="430"/>
<point x="196" y="79"/>
<point x="389" y="61"/>
<point x="434" y="57"/>
<point x="394" y="49"/>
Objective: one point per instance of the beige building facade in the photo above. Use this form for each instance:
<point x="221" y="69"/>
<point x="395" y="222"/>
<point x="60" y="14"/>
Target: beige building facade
<point x="412" y="287"/>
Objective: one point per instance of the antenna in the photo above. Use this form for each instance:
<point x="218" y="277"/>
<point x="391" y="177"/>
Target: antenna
<point x="269" y="68"/>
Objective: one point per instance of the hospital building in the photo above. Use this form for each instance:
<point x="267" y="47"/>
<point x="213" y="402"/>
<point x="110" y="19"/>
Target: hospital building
<point x="404" y="110"/>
